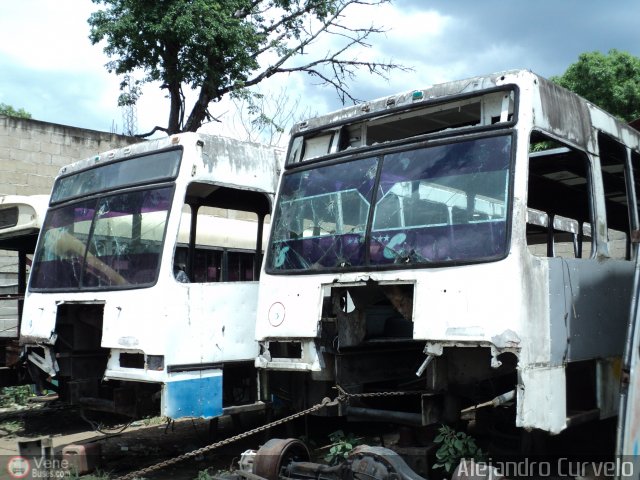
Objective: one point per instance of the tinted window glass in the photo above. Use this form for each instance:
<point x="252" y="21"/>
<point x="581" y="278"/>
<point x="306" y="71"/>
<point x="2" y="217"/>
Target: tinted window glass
<point x="144" y="169"/>
<point x="114" y="241"/>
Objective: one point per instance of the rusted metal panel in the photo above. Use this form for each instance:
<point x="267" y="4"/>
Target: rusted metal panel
<point x="589" y="301"/>
<point x="541" y="399"/>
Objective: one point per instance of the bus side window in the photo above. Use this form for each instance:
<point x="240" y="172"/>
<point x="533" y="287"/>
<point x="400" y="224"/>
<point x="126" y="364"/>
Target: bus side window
<point x="559" y="215"/>
<point x="635" y="169"/>
<point x="225" y="239"/>
<point x="613" y="162"/>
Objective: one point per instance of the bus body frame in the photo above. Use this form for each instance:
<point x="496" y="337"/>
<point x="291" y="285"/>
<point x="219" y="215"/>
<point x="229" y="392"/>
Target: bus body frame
<point x="126" y="330"/>
<point x="528" y="291"/>
<point x="20" y="221"/>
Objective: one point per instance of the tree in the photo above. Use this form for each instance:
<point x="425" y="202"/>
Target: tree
<point x="9" y="111"/>
<point x="266" y="118"/>
<point x="610" y="81"/>
<point x="224" y="47"/>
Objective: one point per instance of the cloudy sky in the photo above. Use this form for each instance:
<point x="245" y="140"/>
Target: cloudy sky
<point x="49" y="67"/>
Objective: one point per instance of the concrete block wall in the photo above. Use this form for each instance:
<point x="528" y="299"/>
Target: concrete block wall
<point x="31" y="154"/>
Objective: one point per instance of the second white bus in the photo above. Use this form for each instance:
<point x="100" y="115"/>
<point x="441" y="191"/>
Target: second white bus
<point x="127" y="314"/>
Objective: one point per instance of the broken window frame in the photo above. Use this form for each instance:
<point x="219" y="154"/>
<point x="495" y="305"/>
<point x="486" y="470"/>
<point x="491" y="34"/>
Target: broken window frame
<point x="140" y="173"/>
<point x="619" y="194"/>
<point x="156" y="167"/>
<point x="73" y="246"/>
<point x="555" y="229"/>
<point x="356" y="249"/>
<point x="337" y="137"/>
<point x="218" y="256"/>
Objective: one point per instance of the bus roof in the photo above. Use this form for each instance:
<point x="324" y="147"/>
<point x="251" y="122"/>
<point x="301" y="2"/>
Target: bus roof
<point x="576" y="129"/>
<point x="406" y="99"/>
<point x="231" y="162"/>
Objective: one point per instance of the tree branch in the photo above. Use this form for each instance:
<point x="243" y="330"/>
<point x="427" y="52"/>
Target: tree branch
<point x="245" y="12"/>
<point x="221" y="53"/>
<point x="272" y="69"/>
<point x="155" y="129"/>
<point x="342" y="69"/>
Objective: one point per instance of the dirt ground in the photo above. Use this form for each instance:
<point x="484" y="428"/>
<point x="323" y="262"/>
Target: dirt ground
<point x="148" y="442"/>
<point x="140" y="444"/>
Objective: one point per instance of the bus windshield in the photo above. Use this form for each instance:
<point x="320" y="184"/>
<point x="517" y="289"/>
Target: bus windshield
<point x="434" y="204"/>
<point x="114" y="241"/>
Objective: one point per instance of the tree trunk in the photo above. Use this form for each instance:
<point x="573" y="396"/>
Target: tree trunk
<point x="176" y="108"/>
<point x="198" y="112"/>
<point x="173" y="84"/>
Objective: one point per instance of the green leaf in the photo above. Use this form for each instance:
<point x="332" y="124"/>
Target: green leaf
<point x="610" y="81"/>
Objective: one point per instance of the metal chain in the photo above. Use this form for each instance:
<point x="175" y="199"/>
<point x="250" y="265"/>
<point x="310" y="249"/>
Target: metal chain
<point x="343" y="395"/>
<point x="194" y="453"/>
<point x="346" y="395"/>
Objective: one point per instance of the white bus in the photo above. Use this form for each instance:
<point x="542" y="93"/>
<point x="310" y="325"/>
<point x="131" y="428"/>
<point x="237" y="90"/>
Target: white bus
<point x="20" y="221"/>
<point x="467" y="244"/>
<point x="127" y="312"/>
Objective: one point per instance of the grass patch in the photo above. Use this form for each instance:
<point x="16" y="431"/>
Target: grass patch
<point x="14" y="396"/>
<point x="12" y="427"/>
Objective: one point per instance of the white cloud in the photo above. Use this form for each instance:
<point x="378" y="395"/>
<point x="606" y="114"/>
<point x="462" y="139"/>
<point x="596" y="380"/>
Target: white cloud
<point x="417" y="25"/>
<point x="412" y="38"/>
<point x="50" y="68"/>
<point x="48" y="43"/>
<point x="46" y="37"/>
<point x="49" y="35"/>
<point x="408" y="31"/>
